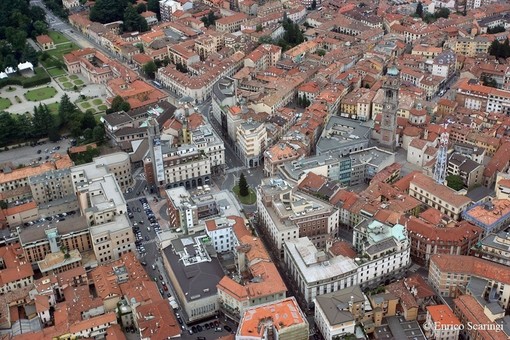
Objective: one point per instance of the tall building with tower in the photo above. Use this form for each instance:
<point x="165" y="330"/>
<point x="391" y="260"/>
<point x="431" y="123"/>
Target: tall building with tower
<point x="156" y="155"/>
<point x="391" y="88"/>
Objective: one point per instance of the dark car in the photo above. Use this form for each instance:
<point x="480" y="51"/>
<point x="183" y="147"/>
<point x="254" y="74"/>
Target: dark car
<point x="227" y="328"/>
<point x="194" y="329"/>
<point x="216" y="324"/>
<point x="39" y="151"/>
<point x="207" y="326"/>
<point x="199" y="328"/>
<point x="165" y="288"/>
<point x="161" y="277"/>
<point x="211" y="324"/>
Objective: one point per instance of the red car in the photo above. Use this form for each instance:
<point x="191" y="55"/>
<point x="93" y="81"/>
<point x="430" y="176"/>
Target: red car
<point x="165" y="288"/>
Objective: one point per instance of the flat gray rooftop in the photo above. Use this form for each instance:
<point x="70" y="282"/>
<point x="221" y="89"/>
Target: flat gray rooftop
<point x="197" y="280"/>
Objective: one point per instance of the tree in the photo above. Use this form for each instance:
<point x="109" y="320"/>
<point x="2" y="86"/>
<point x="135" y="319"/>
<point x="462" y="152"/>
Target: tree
<point x="211" y="18"/>
<point x="140" y="8"/>
<point x="496" y="29"/>
<point x="150" y="69"/>
<point x="40" y="27"/>
<point x="489" y="81"/>
<point x="118" y="104"/>
<point x="443" y="12"/>
<point x="66" y="110"/>
<point x="455" y="182"/>
<point x="321" y="52"/>
<point x="133" y="21"/>
<point x="258" y="28"/>
<point x="88" y="121"/>
<point x="43" y="120"/>
<point x="244" y="189"/>
<point x="105" y="11"/>
<point x="153" y="6"/>
<point x="314" y="4"/>
<point x="98" y="133"/>
<point x="419" y="10"/>
<point x="500" y="50"/>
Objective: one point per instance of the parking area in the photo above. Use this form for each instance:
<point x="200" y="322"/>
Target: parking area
<point x="27" y="155"/>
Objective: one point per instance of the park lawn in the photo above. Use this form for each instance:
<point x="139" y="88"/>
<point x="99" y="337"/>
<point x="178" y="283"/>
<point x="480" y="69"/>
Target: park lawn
<point x="56" y="71"/>
<point x="40" y="94"/>
<point x="85" y="105"/>
<point x="248" y="200"/>
<point x="53" y="107"/>
<point x="67" y="85"/>
<point x="102" y="107"/>
<point x="57" y="37"/>
<point x="78" y="82"/>
<point x="4" y="103"/>
<point x="98" y="117"/>
<point x="97" y="101"/>
<point x="73" y="77"/>
<point x="62" y="49"/>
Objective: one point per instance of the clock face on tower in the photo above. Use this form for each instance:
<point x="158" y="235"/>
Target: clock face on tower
<point x="388" y="107"/>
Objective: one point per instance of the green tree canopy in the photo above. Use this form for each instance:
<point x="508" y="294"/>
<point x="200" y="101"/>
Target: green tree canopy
<point x="419" y="10"/>
<point x="105" y="11"/>
<point x="455" y="182"/>
<point x="244" y="189"/>
<point x="150" y="69"/>
<point x="119" y="104"/>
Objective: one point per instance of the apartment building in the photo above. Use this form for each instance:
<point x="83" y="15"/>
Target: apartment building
<point x="471" y="46"/>
<point x="221" y="232"/>
<point x="281" y="319"/>
<point x="344" y="136"/>
<point x="440" y="197"/>
<point x="494" y="247"/>
<point x="287" y="214"/>
<point x="52" y="185"/>
<point x="14" y="183"/>
<point x="472" y="311"/>
<point x="38" y="241"/>
<point x="110" y="240"/>
<point x="15" y="271"/>
<point x="441" y="323"/>
<point x="231" y="23"/>
<point x="198" y="85"/>
<point x="470" y="171"/>
<point x="315" y="272"/>
<point x="209" y="43"/>
<point x="337" y="313"/>
<point x="184" y="165"/>
<point x="440" y="237"/>
<point x="475" y="96"/>
<point x="264" y="56"/>
<point x="262" y="284"/>
<point x="383" y="252"/>
<point x="491" y="216"/>
<point x="277" y="155"/>
<point x="251" y="142"/>
<point x="454" y="275"/>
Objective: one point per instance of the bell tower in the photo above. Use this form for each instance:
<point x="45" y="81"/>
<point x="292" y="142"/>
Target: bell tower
<point x="391" y="88"/>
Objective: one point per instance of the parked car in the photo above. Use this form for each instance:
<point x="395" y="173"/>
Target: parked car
<point x="227" y="328"/>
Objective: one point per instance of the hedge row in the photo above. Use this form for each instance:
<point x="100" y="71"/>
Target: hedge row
<point x="40" y="77"/>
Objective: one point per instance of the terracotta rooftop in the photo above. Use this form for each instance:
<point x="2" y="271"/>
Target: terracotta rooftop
<point x="470" y="265"/>
<point x="343" y="248"/>
<point x="499" y="210"/>
<point x="442" y="192"/>
<point x="157" y="321"/>
<point x="44" y="39"/>
<point x="284" y="313"/>
<point x="407" y="300"/>
<point x="474" y="313"/>
<point x="442" y="315"/>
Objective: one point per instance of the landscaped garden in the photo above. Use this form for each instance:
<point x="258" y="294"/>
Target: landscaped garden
<point x="4" y="103"/>
<point x="244" y="193"/>
<point x="40" y="94"/>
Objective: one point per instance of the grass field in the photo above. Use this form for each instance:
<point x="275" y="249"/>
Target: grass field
<point x="78" y="82"/>
<point x="102" y="107"/>
<point x="4" y="103"/>
<point x="97" y="101"/>
<point x="73" y="77"/>
<point x="40" y="94"/>
<point x="250" y="199"/>
<point x="53" y="107"/>
<point x="85" y="105"/>
<point x="67" y="85"/>
<point x="55" y="72"/>
<point x="57" y="37"/>
<point x="62" y="79"/>
<point x="62" y="49"/>
<point x="11" y="89"/>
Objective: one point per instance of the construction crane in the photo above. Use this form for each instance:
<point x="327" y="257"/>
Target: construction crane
<point x="442" y="156"/>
